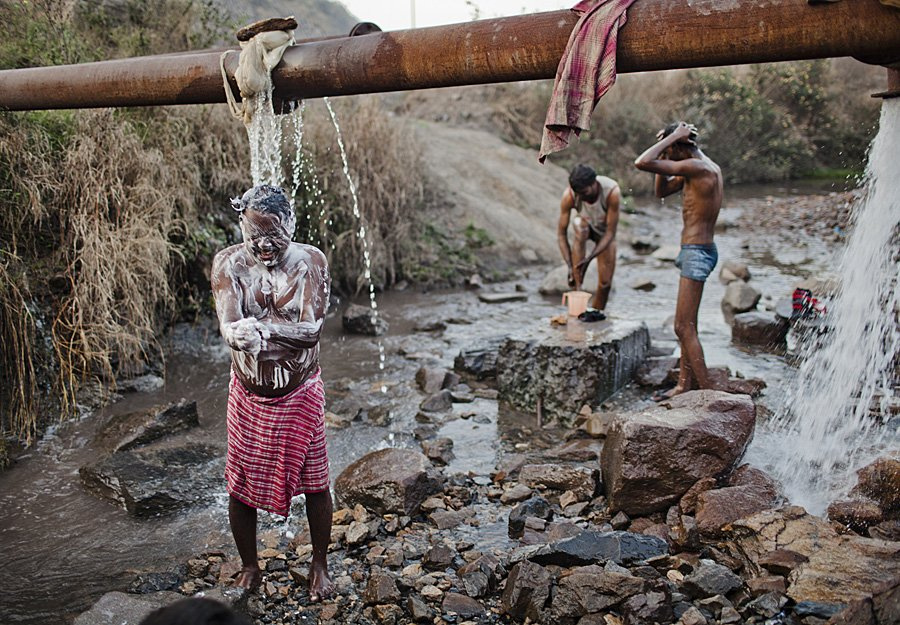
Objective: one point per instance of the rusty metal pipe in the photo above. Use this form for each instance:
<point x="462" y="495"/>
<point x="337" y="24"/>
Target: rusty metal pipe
<point x="659" y="35"/>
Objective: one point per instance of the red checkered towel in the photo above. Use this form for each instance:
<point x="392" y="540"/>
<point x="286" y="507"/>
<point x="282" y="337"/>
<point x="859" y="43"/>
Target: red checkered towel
<point x="586" y="71"/>
<point x="276" y="445"/>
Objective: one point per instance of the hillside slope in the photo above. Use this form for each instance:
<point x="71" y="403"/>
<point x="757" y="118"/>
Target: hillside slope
<point x="495" y="186"/>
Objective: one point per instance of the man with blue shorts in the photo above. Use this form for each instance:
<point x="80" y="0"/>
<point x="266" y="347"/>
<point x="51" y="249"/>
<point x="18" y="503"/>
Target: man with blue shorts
<point x="680" y="165"/>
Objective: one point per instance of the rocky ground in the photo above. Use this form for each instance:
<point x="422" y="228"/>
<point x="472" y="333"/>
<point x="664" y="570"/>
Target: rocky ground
<point x="606" y="522"/>
<point x="823" y="216"/>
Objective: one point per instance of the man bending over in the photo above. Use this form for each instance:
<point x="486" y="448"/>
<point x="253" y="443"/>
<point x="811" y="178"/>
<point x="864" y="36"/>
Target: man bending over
<point x="271" y="298"/>
<point x="596" y="200"/>
<point x="679" y="165"/>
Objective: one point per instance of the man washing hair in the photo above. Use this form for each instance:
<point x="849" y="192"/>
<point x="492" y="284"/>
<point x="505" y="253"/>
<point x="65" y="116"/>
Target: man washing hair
<point x="271" y="299"/>
<point x="596" y="201"/>
<point x="680" y="165"/>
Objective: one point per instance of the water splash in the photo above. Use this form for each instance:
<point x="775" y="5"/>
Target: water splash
<point x="265" y="136"/>
<point x="829" y="425"/>
<point x="367" y="258"/>
<point x="303" y="174"/>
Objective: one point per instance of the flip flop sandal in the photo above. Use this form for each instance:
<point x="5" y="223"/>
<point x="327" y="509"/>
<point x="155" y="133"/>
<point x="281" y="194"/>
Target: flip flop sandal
<point x="661" y="394"/>
<point x="589" y="316"/>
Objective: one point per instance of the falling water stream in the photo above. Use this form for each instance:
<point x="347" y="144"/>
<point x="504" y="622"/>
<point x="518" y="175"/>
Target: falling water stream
<point x="835" y="417"/>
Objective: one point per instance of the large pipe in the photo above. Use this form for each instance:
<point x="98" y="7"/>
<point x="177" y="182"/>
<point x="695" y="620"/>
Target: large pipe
<point x="660" y="34"/>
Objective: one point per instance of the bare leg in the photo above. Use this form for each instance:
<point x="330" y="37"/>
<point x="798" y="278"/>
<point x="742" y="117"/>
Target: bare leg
<point x="318" y="511"/>
<point x="581" y="236"/>
<point x="243" y="527"/>
<point x="606" y="266"/>
<point x="693" y="372"/>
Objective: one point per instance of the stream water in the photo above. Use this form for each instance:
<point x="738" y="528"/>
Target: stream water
<point x="63" y="548"/>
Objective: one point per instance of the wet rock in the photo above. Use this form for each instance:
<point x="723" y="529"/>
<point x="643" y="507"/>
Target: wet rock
<point x="418" y="609"/>
<point x="719" y="507"/>
<point x="464" y="606"/>
<point x="651" y="458"/>
<point x="380" y="589"/>
<point x="880" y="481"/>
<point x="439" y="557"/>
<point x="732" y="270"/>
<point x="711" y="579"/>
<point x="482" y="576"/>
<point x="688" y="503"/>
<point x="592" y="547"/>
<point x="767" y="605"/>
<point x="114" y="608"/>
<point x="448" y="519"/>
<point x="148" y="583"/>
<point x="649" y="607"/>
<point x="560" y="370"/>
<point x="536" y="507"/>
<point x="588" y="589"/>
<point x="655" y="372"/>
<point x="881" y="608"/>
<point x="856" y="514"/>
<point x="739" y="297"/>
<point x="781" y="561"/>
<point x="579" y="480"/>
<point x="526" y="592"/>
<point x="363" y="320"/>
<point x="148" y="482"/>
<point x="430" y="380"/>
<point x="136" y="429"/>
<point x="762" y="329"/>
<point x="388" y="481"/>
<point x="519" y="492"/>
<point x="886" y="530"/>
<point x="667" y="253"/>
<point x="841" y="567"/>
<point x="441" y="401"/>
<point x="387" y="614"/>
<point x="643" y="245"/>
<point x="480" y="362"/>
<point x="499" y="298"/>
<point x="140" y="384"/>
<point x="767" y="583"/>
<point x="439" y="450"/>
<point x="643" y="284"/>
<point x="818" y="609"/>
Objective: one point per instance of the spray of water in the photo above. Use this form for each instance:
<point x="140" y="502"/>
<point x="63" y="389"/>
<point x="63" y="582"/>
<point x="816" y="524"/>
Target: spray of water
<point x="830" y="424"/>
<point x="367" y="258"/>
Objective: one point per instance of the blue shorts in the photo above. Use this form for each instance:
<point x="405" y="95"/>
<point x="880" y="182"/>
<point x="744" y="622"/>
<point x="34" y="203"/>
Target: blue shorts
<point x="697" y="261"/>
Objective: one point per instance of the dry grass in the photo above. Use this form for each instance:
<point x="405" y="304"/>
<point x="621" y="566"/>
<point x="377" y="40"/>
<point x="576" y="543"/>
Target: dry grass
<point x="17" y="332"/>
<point x="386" y="167"/>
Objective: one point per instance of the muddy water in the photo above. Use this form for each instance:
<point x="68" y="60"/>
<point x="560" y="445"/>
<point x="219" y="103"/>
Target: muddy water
<point x="62" y="548"/>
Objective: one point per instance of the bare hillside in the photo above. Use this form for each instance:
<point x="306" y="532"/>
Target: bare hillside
<point x="495" y="186"/>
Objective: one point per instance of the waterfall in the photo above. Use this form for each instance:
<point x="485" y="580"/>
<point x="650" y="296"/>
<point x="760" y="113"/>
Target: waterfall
<point x="835" y="416"/>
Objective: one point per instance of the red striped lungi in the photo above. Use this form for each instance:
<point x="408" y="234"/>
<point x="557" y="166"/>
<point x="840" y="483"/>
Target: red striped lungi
<point x="276" y="445"/>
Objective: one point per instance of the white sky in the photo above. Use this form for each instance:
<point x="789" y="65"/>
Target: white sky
<point x="397" y="14"/>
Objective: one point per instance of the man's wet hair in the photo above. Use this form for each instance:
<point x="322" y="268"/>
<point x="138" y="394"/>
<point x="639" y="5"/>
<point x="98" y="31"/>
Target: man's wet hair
<point x="195" y="611"/>
<point x="264" y="198"/>
<point x="581" y="177"/>
<point x="671" y="128"/>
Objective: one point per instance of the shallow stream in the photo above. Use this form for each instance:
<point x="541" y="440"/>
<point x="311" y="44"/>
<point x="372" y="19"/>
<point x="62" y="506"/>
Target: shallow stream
<point x="62" y="548"/>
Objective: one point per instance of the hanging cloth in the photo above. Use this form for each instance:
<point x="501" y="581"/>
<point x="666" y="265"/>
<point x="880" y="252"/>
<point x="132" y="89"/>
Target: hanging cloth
<point x="259" y="55"/>
<point x="586" y="71"/>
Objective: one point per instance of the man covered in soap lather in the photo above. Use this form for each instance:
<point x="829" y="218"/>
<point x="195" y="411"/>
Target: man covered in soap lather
<point x="271" y="298"/>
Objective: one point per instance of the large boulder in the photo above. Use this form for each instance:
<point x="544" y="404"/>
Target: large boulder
<point x="135" y="429"/>
<point x="152" y="481"/>
<point x="880" y="481"/>
<point x="591" y="589"/>
<point x="555" y="371"/>
<point x="830" y="567"/>
<point x="719" y="507"/>
<point x="651" y="458"/>
<point x="388" y="481"/>
<point x="526" y="591"/>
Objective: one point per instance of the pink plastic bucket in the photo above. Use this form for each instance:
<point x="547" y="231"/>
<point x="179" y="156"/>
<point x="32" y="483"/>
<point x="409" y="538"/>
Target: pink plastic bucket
<point x="577" y="301"/>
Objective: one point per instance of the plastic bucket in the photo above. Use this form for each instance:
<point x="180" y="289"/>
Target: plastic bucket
<point x="577" y="301"/>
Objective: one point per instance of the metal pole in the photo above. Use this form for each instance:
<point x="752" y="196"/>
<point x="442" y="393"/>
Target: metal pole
<point x="660" y="34"/>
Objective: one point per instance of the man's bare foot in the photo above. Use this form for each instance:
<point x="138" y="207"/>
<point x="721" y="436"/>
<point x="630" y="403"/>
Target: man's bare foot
<point x="249" y="578"/>
<point x="661" y="395"/>
<point x="320" y="584"/>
